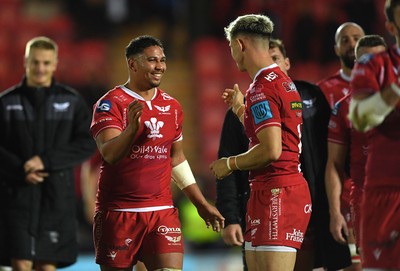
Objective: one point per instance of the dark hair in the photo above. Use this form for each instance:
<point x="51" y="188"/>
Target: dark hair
<point x="137" y="45"/>
<point x="277" y="43"/>
<point x="371" y="41"/>
<point x="390" y="5"/>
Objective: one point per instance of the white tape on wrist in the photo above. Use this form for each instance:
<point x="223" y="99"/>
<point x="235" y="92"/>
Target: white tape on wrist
<point x="368" y="113"/>
<point x="182" y="175"/>
<point x="395" y="88"/>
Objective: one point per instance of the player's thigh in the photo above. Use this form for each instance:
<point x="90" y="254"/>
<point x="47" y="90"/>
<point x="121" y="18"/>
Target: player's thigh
<point x="165" y="260"/>
<point x="270" y="260"/>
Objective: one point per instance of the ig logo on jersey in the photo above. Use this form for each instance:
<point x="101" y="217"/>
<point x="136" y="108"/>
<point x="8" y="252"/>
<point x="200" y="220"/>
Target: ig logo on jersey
<point x="104" y="106"/>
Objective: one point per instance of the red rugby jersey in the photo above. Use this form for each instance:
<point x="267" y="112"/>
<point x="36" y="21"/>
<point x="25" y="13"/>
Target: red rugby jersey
<point x="370" y="75"/>
<point x="335" y="87"/>
<point x="272" y="100"/>
<point x="143" y="177"/>
<point x="341" y="132"/>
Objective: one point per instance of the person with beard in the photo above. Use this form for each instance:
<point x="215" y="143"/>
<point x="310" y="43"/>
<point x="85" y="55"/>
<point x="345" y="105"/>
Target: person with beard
<point x="344" y="141"/>
<point x="335" y="87"/>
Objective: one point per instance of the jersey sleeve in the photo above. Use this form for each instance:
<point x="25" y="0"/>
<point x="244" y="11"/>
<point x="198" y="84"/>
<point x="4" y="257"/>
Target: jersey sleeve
<point x="370" y="74"/>
<point x="264" y="105"/>
<point x="178" y="123"/>
<point x="105" y="115"/>
<point x="337" y="129"/>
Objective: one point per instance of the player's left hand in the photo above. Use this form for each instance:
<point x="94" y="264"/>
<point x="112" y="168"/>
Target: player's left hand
<point x="212" y="217"/>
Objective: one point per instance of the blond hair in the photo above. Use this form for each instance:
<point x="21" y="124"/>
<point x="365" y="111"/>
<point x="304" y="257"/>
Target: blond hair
<point x="251" y="24"/>
<point x="40" y="43"/>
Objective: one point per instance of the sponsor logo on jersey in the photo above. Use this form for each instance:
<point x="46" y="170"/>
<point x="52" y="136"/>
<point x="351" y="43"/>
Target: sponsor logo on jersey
<point x="103" y="106"/>
<point x="61" y="107"/>
<point x="275" y="212"/>
<point x="271" y="76"/>
<point x="255" y="222"/>
<point x="121" y="98"/>
<point x="166" y="230"/>
<point x="149" y="152"/>
<point x="112" y="255"/>
<point x="307" y="208"/>
<point x="257" y="96"/>
<point x="163" y="109"/>
<point x="261" y="111"/>
<point x="289" y="86"/>
<point x="295" y="236"/>
<point x="296" y="105"/>
<point x="175" y="239"/>
<point x="154" y="125"/>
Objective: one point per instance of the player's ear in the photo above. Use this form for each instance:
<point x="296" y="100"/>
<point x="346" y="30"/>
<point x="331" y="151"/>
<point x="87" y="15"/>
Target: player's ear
<point x="391" y="28"/>
<point x="132" y="64"/>
<point x="240" y="43"/>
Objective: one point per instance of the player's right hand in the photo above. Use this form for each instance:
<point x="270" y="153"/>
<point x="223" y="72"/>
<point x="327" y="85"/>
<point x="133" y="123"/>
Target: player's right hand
<point x="233" y="97"/>
<point x="338" y="228"/>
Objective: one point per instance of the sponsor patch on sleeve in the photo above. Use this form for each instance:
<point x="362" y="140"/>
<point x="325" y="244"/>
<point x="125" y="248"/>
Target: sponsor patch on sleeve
<point x="296" y="105"/>
<point x="261" y="111"/>
<point x="104" y="106"/>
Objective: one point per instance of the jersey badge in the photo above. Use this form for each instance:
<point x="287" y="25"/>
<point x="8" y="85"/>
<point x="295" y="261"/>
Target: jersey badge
<point x="335" y="109"/>
<point x="163" y="109"/>
<point x="104" y="106"/>
<point x="289" y="86"/>
<point x="154" y="125"/>
<point x="261" y="111"/>
<point x="365" y="58"/>
<point x="166" y="96"/>
<point x="61" y="107"/>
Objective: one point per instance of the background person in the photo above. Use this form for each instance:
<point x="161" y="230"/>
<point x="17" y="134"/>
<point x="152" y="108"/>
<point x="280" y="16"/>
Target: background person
<point x="335" y="87"/>
<point x="344" y="142"/>
<point x="45" y="134"/>
<point x="374" y="109"/>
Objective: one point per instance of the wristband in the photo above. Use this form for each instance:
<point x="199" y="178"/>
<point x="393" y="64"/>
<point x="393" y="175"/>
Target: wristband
<point x="236" y="111"/>
<point x="236" y="165"/>
<point x="395" y="88"/>
<point x="228" y="163"/>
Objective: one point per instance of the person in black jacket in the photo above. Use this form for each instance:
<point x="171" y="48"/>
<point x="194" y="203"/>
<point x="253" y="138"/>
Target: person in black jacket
<point x="233" y="190"/>
<point x="44" y="134"/>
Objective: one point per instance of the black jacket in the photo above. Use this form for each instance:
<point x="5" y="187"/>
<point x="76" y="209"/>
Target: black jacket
<point x="53" y="123"/>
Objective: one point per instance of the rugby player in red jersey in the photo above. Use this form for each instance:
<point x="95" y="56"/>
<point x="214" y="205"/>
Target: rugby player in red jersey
<point x="138" y="131"/>
<point x="375" y="109"/>
<point x="279" y="206"/>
